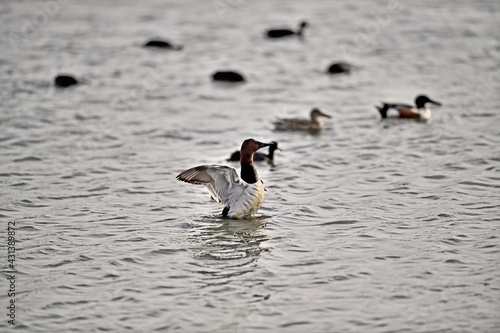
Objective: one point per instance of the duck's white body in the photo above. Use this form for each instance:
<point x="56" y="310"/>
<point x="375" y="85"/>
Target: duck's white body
<point x="246" y="199"/>
<point x="424" y="113"/>
<point x="227" y="188"/>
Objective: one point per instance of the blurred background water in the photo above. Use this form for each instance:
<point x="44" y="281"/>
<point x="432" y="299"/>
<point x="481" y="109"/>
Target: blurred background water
<point x="369" y="226"/>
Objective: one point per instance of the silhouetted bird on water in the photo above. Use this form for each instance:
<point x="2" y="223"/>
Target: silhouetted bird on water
<point x="162" y="45"/>
<point x="398" y="110"/>
<point x="228" y="76"/>
<point x="341" y="67"/>
<point x="258" y="156"/>
<point x="278" y="33"/>
<point x="64" y="81"/>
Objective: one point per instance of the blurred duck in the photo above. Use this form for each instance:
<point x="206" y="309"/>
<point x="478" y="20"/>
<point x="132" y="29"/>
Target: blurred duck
<point x="419" y="111"/>
<point x="228" y="76"/>
<point x="278" y="33"/>
<point x="258" y="156"/>
<point x="162" y="45"/>
<point x="341" y="67"/>
<point x="302" y="124"/>
<point x="64" y="81"/>
<point x="240" y="197"/>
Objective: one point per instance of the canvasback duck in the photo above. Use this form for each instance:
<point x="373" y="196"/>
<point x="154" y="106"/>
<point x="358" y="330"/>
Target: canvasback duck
<point x="302" y="124"/>
<point x="278" y="33"/>
<point x="240" y="197"/>
<point x="228" y="76"/>
<point x="419" y="111"/>
<point x="258" y="156"/>
<point x="341" y="67"/>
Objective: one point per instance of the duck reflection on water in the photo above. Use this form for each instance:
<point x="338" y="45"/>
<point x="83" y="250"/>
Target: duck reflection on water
<point x="224" y="249"/>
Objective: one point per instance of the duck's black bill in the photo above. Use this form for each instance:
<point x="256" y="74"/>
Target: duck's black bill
<point x="435" y="103"/>
<point x="262" y="144"/>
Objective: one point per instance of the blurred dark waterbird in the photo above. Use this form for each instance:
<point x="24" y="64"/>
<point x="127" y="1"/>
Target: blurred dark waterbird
<point x="278" y="33"/>
<point x="64" y="81"/>
<point x="341" y="67"/>
<point x="228" y="76"/>
<point x="162" y="45"/>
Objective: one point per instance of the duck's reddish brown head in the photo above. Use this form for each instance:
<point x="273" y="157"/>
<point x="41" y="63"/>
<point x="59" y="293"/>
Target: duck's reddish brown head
<point x="248" y="148"/>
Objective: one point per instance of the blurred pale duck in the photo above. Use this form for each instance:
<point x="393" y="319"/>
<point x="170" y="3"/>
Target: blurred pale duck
<point x="302" y="124"/>
<point x="258" y="156"/>
<point x="240" y="197"/>
<point x="397" y="110"/>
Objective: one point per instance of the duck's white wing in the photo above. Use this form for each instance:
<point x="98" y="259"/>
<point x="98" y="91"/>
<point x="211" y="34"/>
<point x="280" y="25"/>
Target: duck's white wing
<point x="221" y="181"/>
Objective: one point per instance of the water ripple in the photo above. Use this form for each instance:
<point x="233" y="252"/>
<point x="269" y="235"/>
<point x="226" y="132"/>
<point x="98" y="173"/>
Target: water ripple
<point x="368" y="225"/>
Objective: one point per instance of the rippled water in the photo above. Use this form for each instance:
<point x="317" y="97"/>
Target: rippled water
<point x="370" y="226"/>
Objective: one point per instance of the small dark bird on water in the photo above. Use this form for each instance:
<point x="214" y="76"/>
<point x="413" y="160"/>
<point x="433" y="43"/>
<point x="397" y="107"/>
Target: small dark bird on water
<point x="341" y="67"/>
<point x="162" y="45"/>
<point x="258" y="156"/>
<point x="228" y="76"/>
<point x="278" y="33"/>
<point x="64" y="81"/>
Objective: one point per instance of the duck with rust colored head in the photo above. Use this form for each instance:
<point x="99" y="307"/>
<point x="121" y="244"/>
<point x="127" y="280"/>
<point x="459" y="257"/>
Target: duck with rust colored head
<point x="302" y="124"/>
<point x="240" y="196"/>
<point x="258" y="157"/>
<point x="397" y="110"/>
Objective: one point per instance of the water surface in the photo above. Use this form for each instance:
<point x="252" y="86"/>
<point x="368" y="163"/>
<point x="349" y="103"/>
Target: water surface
<point x="380" y="226"/>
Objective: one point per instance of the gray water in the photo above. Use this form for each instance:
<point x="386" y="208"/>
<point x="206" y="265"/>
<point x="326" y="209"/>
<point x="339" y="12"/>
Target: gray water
<point x="369" y="226"/>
